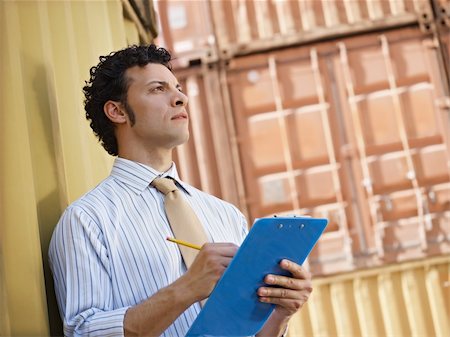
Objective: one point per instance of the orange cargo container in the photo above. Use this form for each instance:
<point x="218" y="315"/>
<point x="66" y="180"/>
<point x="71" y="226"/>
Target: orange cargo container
<point x="186" y="29"/>
<point x="228" y="28"/>
<point x="209" y="160"/>
<point x="349" y="130"/>
<point x="355" y="129"/>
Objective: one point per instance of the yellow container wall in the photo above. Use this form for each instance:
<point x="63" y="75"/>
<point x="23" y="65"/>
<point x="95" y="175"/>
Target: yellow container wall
<point x="48" y="154"/>
<point x="408" y="299"/>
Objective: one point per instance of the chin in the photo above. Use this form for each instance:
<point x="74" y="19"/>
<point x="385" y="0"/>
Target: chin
<point x="181" y="139"/>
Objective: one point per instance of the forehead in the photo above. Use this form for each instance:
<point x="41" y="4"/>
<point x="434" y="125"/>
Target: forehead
<point x="151" y="72"/>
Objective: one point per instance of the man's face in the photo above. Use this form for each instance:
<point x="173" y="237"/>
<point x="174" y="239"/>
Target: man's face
<point x="154" y="96"/>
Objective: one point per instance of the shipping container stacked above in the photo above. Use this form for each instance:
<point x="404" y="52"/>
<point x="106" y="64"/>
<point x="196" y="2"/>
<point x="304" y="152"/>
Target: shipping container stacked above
<point x="336" y="109"/>
<point x="233" y="28"/>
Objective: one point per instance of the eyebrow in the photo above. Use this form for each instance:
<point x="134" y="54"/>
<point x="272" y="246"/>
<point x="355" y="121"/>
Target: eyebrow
<point x="164" y="83"/>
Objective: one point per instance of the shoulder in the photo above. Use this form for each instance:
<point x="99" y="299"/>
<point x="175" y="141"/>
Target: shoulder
<point x="99" y="199"/>
<point x="90" y="208"/>
<point x="81" y="220"/>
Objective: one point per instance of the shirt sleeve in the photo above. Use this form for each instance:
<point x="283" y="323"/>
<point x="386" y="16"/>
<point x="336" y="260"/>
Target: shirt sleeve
<point x="244" y="227"/>
<point x="81" y="271"/>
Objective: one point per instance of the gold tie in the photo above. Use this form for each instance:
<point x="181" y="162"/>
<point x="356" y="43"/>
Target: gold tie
<point x="184" y="222"/>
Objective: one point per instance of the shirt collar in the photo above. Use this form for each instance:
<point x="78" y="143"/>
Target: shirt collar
<point x="138" y="176"/>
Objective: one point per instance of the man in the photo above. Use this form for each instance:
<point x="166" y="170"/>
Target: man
<point x="115" y="273"/>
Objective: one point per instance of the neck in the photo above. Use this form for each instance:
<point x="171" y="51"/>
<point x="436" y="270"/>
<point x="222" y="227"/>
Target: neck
<point x="159" y="159"/>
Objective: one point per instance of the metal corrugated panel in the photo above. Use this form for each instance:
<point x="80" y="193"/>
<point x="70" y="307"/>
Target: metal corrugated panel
<point x="349" y="130"/>
<point x="267" y="24"/>
<point x="230" y="28"/>
<point x="409" y="299"/>
<point x="48" y="154"/>
<point x="209" y="160"/>
<point x="186" y="30"/>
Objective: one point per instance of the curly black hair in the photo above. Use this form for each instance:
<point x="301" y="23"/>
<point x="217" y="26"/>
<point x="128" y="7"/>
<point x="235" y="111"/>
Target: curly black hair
<point x="108" y="82"/>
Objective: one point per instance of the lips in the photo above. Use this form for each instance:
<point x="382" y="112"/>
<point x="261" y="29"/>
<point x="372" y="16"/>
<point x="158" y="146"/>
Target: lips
<point x="181" y="115"/>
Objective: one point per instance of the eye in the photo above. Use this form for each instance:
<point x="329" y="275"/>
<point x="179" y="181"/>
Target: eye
<point x="159" y="88"/>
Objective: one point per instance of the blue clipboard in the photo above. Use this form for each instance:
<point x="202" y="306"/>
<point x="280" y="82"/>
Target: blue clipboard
<point x="233" y="308"/>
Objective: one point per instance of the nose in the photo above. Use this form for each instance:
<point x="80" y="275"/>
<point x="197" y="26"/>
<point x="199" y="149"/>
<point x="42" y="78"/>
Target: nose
<point x="180" y="99"/>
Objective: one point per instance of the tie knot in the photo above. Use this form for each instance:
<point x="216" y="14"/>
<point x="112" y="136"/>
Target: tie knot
<point x="164" y="185"/>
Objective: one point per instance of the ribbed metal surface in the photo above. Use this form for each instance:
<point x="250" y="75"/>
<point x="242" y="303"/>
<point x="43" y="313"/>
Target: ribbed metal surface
<point x="48" y="155"/>
<point x="230" y="28"/>
<point x="410" y="299"/>
<point x="210" y="160"/>
<point x="350" y="130"/>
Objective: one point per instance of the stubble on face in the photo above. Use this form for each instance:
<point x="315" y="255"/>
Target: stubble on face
<point x="155" y="106"/>
<point x="129" y="111"/>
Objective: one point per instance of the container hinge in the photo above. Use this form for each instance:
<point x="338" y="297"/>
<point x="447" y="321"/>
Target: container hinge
<point x="443" y="15"/>
<point x="426" y="20"/>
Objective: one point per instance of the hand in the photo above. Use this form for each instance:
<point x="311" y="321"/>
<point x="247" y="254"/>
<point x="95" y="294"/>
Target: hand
<point x="208" y="267"/>
<point x="293" y="292"/>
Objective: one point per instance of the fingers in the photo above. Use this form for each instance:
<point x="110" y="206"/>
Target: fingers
<point x="300" y="279"/>
<point x="222" y="249"/>
<point x="284" y="282"/>
<point x="288" y="301"/>
<point x="216" y="256"/>
<point x="208" y="267"/>
<point x="220" y="253"/>
<point x="280" y="293"/>
<point x="288" y="306"/>
<point x="296" y="270"/>
<point x="290" y="292"/>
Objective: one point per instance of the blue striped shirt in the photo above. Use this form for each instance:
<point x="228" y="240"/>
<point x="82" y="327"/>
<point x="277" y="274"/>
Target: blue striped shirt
<point x="109" y="250"/>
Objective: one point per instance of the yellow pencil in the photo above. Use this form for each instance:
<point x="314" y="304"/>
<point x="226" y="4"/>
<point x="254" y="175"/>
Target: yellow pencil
<point x="184" y="243"/>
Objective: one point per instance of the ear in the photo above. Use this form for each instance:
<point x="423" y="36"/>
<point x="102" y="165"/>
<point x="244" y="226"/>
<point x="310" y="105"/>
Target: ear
<point x="114" y="111"/>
